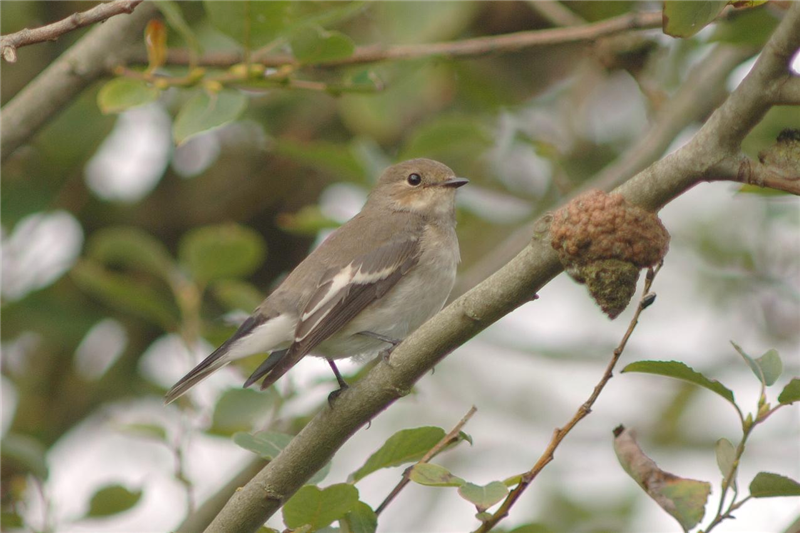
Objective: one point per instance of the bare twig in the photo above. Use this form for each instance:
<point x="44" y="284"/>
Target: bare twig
<point x="556" y="12"/>
<point x="586" y="408"/>
<point x="51" y="32"/>
<point x="467" y="48"/>
<point x="446" y="440"/>
<point x="744" y="170"/>
<point x="65" y="78"/>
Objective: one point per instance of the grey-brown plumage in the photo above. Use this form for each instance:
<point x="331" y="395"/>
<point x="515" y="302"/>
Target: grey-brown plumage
<point x="380" y="275"/>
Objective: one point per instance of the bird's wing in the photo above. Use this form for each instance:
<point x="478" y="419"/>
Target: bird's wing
<point x="344" y="292"/>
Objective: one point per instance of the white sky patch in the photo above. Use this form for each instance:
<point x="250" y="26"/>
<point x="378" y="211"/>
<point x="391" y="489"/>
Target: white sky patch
<point x="132" y="159"/>
<point x="39" y="250"/>
<point x="197" y="154"/>
<point x="738" y="74"/>
<point x="795" y="63"/>
<point x="494" y="206"/>
<point x="615" y="110"/>
<point x="100" y="349"/>
<point x="342" y="201"/>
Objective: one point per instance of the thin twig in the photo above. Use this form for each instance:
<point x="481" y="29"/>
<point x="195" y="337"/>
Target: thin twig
<point x="446" y="440"/>
<point x="51" y="32"/>
<point x="467" y="48"/>
<point x="586" y="408"/>
<point x="745" y="170"/>
<point x="556" y="12"/>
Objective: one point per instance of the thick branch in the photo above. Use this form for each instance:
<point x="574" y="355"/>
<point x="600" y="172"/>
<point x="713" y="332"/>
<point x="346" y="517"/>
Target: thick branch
<point x="687" y="106"/>
<point x="64" y="79"/>
<point x="468" y="48"/>
<point x="510" y="287"/>
<point x="51" y="32"/>
<point x="788" y="92"/>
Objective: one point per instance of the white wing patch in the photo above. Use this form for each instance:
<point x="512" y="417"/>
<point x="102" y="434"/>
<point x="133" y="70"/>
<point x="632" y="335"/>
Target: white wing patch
<point x="270" y="335"/>
<point x="339" y="282"/>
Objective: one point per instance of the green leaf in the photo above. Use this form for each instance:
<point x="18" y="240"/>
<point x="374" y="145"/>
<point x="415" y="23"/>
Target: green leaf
<point x="434" y="476"/>
<point x="483" y="496"/>
<point x="768" y="485"/>
<point x="362" y="519"/>
<point x="319" y="508"/>
<point x="791" y="392"/>
<point x="405" y="446"/>
<point x="684" y="19"/>
<point x="235" y="295"/>
<point x="131" y="247"/>
<point x="766" y="368"/>
<point x="205" y="110"/>
<point x="726" y="456"/>
<point x="10" y="520"/>
<point x="312" y="44"/>
<point x="238" y="409"/>
<point x="451" y="136"/>
<point x="120" y="94"/>
<point x="26" y="453"/>
<point x="684" y="499"/>
<point x="749" y="27"/>
<point x="174" y="16"/>
<point x="305" y="223"/>
<point x="678" y="370"/>
<point x="267" y="444"/>
<point x="125" y="293"/>
<point x="223" y="251"/>
<point x="267" y="19"/>
<point x="111" y="500"/>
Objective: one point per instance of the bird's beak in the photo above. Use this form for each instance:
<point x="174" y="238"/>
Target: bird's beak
<point x="454" y="183"/>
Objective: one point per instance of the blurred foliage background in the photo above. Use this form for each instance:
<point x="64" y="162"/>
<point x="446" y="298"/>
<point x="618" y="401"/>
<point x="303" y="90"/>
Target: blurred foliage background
<point x="127" y="257"/>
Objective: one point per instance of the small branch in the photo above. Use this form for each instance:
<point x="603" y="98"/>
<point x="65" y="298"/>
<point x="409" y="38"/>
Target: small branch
<point x="446" y="440"/>
<point x="580" y="414"/>
<point x="467" y="48"/>
<point x="10" y="43"/>
<point x="788" y="92"/>
<point x="556" y="12"/>
<point x="67" y="76"/>
<point x="744" y="170"/>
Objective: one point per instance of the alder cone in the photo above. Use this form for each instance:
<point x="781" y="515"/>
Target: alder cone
<point x="604" y="242"/>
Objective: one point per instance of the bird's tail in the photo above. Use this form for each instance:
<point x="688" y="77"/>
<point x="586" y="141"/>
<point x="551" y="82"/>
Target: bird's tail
<point x="213" y="362"/>
<point x="198" y="374"/>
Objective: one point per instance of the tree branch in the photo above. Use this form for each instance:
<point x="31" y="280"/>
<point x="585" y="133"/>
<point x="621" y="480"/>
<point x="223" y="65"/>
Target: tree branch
<point x="744" y="170"/>
<point x="51" y="32"/>
<point x="583" y="411"/>
<point x="686" y="107"/>
<point x="508" y="288"/>
<point x="467" y="48"/>
<point x="64" y="79"/>
<point x="788" y="92"/>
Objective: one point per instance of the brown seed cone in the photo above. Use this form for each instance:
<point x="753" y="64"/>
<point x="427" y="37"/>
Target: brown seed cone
<point x="603" y="241"/>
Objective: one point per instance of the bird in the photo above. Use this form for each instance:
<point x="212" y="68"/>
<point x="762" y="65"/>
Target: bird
<point x="371" y="283"/>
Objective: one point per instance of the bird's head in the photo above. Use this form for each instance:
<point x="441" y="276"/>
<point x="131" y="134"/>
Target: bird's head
<point x="421" y="186"/>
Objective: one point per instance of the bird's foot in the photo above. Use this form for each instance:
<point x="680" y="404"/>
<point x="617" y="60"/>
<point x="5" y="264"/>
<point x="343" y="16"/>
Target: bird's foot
<point x="386" y="352"/>
<point x="335" y="394"/>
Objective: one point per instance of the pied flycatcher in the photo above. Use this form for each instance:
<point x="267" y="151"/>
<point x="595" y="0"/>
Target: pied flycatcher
<point x="371" y="283"/>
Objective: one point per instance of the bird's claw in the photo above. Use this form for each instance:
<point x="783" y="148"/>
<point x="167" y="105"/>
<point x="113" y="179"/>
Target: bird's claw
<point x="335" y="394"/>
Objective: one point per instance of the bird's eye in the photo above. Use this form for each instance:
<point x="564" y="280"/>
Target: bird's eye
<point x="414" y="179"/>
